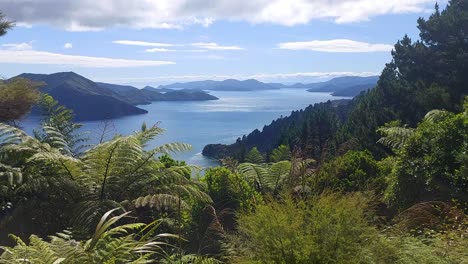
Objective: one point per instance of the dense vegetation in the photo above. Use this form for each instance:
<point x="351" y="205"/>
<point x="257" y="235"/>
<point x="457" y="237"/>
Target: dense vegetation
<point x="380" y="179"/>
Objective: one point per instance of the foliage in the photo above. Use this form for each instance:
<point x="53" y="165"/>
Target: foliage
<point x="254" y="156"/>
<point x="394" y="137"/>
<point x="280" y="153"/>
<point x="432" y="164"/>
<point x="116" y="173"/>
<point x="58" y="128"/>
<point x="326" y="229"/>
<point x="168" y="161"/>
<point x="5" y="24"/>
<point x="267" y="178"/>
<point x="354" y="171"/>
<point x="229" y="190"/>
<point x="127" y="243"/>
<point x="16" y="97"/>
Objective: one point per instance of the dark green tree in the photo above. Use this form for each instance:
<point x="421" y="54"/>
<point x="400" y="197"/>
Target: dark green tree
<point x="5" y="24"/>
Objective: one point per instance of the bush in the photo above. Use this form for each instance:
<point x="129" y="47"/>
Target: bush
<point x="431" y="165"/>
<point x="229" y="190"/>
<point x="327" y="229"/>
<point x="354" y="171"/>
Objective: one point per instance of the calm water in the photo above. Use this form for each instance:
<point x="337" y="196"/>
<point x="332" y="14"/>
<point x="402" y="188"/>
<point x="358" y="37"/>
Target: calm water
<point x="202" y="123"/>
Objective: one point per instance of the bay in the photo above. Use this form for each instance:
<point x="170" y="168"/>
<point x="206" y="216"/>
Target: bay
<point x="200" y="123"/>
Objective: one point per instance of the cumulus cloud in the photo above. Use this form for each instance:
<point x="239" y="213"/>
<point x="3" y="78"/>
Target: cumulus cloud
<point x="68" y="46"/>
<point x="215" y="46"/>
<point x="335" y="45"/>
<point x="49" y="58"/>
<point x="87" y="15"/>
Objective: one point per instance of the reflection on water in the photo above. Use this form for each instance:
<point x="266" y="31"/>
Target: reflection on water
<point x="201" y="123"/>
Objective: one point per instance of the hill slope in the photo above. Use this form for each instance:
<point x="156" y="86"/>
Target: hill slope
<point x="148" y="94"/>
<point x="88" y="100"/>
<point x="344" y="86"/>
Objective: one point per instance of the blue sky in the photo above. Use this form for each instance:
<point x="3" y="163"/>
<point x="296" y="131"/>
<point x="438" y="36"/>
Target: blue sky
<point x="156" y="42"/>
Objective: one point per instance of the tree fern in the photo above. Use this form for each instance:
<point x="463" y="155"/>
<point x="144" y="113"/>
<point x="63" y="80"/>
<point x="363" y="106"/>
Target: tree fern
<point x="267" y="177"/>
<point x="394" y="137"/>
<point x="111" y="243"/>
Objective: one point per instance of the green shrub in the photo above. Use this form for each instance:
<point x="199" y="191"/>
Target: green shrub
<point x="354" y="171"/>
<point x="327" y="229"/>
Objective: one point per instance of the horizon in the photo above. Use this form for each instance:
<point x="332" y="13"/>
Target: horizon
<point x="220" y="80"/>
<point x="244" y="40"/>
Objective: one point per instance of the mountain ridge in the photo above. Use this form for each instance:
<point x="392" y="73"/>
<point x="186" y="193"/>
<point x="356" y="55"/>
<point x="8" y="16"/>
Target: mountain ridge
<point x="91" y="100"/>
<point x="337" y="86"/>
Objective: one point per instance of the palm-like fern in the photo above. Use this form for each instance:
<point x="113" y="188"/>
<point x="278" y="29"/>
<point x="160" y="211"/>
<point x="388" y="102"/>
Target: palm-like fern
<point x="128" y="243"/>
<point x="121" y="170"/>
<point x="266" y="177"/>
<point x="58" y="129"/>
<point x="394" y="137"/>
<point x="116" y="173"/>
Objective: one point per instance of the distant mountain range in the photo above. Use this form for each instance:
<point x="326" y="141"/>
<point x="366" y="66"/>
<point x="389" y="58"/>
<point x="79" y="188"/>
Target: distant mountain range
<point x="341" y="86"/>
<point x="344" y="86"/>
<point x="226" y="85"/>
<point x="96" y="101"/>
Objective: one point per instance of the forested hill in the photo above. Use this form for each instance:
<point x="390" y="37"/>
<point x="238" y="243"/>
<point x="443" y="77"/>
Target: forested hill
<point x="322" y="119"/>
<point x="147" y="95"/>
<point x="88" y="100"/>
<point x="430" y="73"/>
<point x="96" y="101"/>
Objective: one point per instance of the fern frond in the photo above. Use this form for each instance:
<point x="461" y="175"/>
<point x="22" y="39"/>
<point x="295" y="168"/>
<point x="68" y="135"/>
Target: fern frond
<point x="160" y="202"/>
<point x="394" y="137"/>
<point x="435" y="115"/>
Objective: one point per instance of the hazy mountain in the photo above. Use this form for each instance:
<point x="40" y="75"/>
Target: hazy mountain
<point x="161" y="90"/>
<point x="344" y="86"/>
<point x="226" y="85"/>
<point x="126" y="93"/>
<point x="149" y="94"/>
<point x="341" y="86"/>
<point x="88" y="100"/>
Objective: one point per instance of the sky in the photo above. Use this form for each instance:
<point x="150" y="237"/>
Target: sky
<point x="151" y="42"/>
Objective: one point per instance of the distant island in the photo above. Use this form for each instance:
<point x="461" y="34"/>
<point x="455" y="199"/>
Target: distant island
<point x="135" y="96"/>
<point x="344" y="86"/>
<point x="97" y="101"/>
<point x="226" y="85"/>
<point x="348" y="86"/>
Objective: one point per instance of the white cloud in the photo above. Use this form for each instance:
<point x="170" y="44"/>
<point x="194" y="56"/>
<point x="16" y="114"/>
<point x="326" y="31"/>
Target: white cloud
<point x="214" y="46"/>
<point x="49" y="58"/>
<point x="142" y="43"/>
<point x="87" y="15"/>
<point x="18" y="46"/>
<point x="162" y="47"/>
<point x="68" y="45"/>
<point x="335" y="45"/>
<point x="153" y="50"/>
